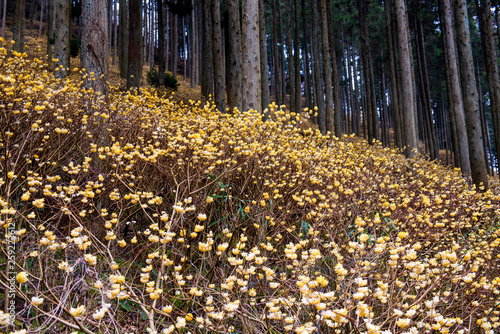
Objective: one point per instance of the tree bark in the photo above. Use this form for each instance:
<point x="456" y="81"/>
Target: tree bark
<point x="386" y="140"/>
<point x="490" y="57"/>
<point x="124" y="31"/>
<point x="469" y="90"/>
<point x="348" y="87"/>
<point x="62" y="36"/>
<point x="251" y="59"/>
<point x="234" y="88"/>
<point x="264" y="67"/>
<point x="115" y="32"/>
<point x="396" y="111"/>
<point x="296" y="55"/>
<point x="194" y="46"/>
<point x="330" y="126"/>
<point x="4" y="15"/>
<point x="276" y="59"/>
<point x="175" y="43"/>
<point x="291" y="66"/>
<point x="407" y="84"/>
<point x="134" y="69"/>
<point x="371" y="100"/>
<point x="281" y="53"/>
<point x="94" y="47"/>
<point x="42" y="10"/>
<point x="19" y="23"/>
<point x="185" y="48"/>
<point x="426" y="95"/>
<point x="161" y="44"/>
<point x="318" y="82"/>
<point x="455" y="98"/>
<point x="356" y="97"/>
<point x="50" y="31"/>
<point x="335" y="72"/>
<point x="219" y="76"/>
<point x="207" y="73"/>
<point x="305" y="55"/>
<point x="109" y="22"/>
<point x="484" y="123"/>
<point x="32" y="13"/>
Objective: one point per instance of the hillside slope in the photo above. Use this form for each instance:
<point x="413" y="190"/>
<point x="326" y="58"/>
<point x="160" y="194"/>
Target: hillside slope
<point x="132" y="212"/>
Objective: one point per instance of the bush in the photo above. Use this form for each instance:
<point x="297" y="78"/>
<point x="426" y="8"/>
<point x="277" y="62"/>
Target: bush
<point x="154" y="80"/>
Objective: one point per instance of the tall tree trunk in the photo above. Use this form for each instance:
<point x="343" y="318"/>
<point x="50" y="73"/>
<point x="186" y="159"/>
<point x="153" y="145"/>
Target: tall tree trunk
<point x="94" y="47"/>
<point x="407" y="84"/>
<point x="175" y="44"/>
<point x="356" y="95"/>
<point x="62" y="36"/>
<point x="42" y="10"/>
<point x="194" y="46"/>
<point x="168" y="37"/>
<point x="330" y="126"/>
<point x="264" y="66"/>
<point x="469" y="90"/>
<point x="19" y="23"/>
<point x="335" y="72"/>
<point x="486" y="135"/>
<point x="161" y="44"/>
<point x="386" y="140"/>
<point x="454" y="118"/>
<point x="109" y="22"/>
<point x="282" y="42"/>
<point x="50" y="31"/>
<point x="207" y="73"/>
<point x="484" y="123"/>
<point x="343" y="88"/>
<point x="289" y="51"/>
<point x="318" y="82"/>
<point x="455" y="97"/>
<point x="152" y="35"/>
<point x="490" y="57"/>
<point x="32" y="13"/>
<point x="364" y="104"/>
<point x="346" y="62"/>
<point x="185" y="50"/>
<point x="394" y="78"/>
<point x="276" y="58"/>
<point x="4" y="15"/>
<point x="371" y="101"/>
<point x="251" y="59"/>
<point x="305" y="55"/>
<point x="426" y="95"/>
<point x="115" y="32"/>
<point x="124" y="36"/>
<point x="234" y="87"/>
<point x="144" y="50"/>
<point x="134" y="69"/>
<point x="296" y="60"/>
<point x="219" y="76"/>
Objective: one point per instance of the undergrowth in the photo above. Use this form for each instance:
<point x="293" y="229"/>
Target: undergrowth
<point x="133" y="213"/>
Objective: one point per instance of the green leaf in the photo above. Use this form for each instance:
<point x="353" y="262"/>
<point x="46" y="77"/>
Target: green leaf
<point x="304" y="228"/>
<point x="241" y="211"/>
<point x="218" y="220"/>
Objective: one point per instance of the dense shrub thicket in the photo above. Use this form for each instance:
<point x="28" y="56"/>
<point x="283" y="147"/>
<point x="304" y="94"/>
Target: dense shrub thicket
<point x="137" y="214"/>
